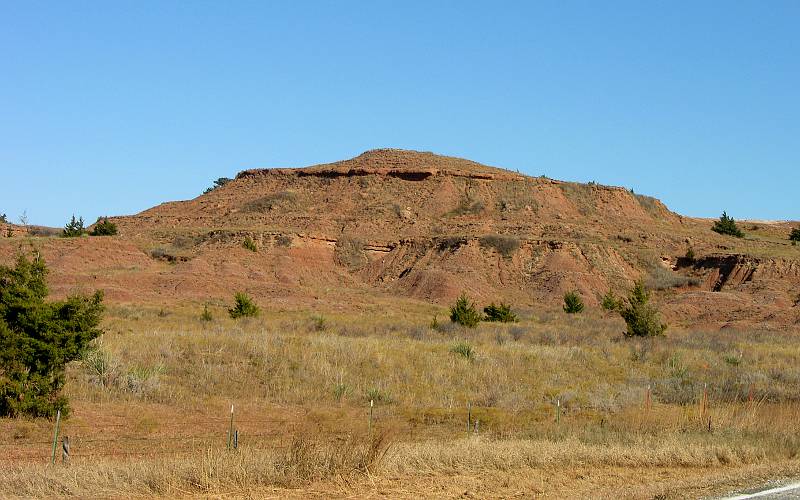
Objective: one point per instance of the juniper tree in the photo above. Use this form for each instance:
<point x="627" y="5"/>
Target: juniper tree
<point x="726" y="225"/>
<point x="38" y="339"/>
<point x="501" y="313"/>
<point x="74" y="228"/>
<point x="464" y="313"/>
<point x="572" y="303"/>
<point x="103" y="227"/>
<point x="641" y="318"/>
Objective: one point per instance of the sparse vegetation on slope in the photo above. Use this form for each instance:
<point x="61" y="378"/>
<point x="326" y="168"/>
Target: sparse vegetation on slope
<point x="505" y="245"/>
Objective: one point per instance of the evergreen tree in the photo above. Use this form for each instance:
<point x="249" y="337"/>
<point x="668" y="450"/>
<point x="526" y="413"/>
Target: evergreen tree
<point x="38" y="339"/>
<point x="218" y="184"/>
<point x="501" y="313"/>
<point x="641" y="318"/>
<point x="243" y="306"/>
<point x="104" y="227"/>
<point x="572" y="303"/>
<point x="464" y="313"/>
<point x="74" y="228"/>
<point x="795" y="235"/>
<point x="611" y="302"/>
<point x="726" y="225"/>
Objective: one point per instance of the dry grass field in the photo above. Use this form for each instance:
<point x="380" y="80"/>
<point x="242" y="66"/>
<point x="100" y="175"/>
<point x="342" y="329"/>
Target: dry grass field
<point x="560" y="405"/>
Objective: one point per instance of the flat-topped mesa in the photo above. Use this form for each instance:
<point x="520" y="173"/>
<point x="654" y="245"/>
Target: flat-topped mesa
<point x="403" y="164"/>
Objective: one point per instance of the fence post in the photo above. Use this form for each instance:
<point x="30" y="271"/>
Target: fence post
<point x="704" y="406"/>
<point x="369" y="427"/>
<point x="55" y="437"/>
<point x="469" y="416"/>
<point x="236" y="439"/>
<point x="230" y="429"/>
<point x="477" y="424"/>
<point x="558" y="410"/>
<point x="65" y="450"/>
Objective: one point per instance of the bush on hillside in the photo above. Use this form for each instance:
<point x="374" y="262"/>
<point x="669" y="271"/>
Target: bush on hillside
<point x="795" y="235"/>
<point x="726" y="225"/>
<point x="218" y="184"/>
<point x="611" y="302"/>
<point x="206" y="315"/>
<point x="505" y="245"/>
<point x="3" y="219"/>
<point x="690" y="256"/>
<point x="349" y="252"/>
<point x="39" y="338"/>
<point x="573" y="304"/>
<point x="464" y="313"/>
<point x="103" y="227"/>
<point x="74" y="228"/>
<point x="641" y="318"/>
<point x="501" y="313"/>
<point x="249" y="244"/>
<point x="243" y="307"/>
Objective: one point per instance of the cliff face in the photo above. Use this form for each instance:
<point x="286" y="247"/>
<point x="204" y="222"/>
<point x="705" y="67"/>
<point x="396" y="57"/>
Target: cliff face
<point x="423" y="226"/>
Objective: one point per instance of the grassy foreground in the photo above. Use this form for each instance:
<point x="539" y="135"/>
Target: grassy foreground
<point x="558" y="406"/>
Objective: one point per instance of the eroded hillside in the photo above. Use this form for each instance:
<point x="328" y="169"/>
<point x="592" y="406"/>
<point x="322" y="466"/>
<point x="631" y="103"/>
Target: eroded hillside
<point x="426" y="227"/>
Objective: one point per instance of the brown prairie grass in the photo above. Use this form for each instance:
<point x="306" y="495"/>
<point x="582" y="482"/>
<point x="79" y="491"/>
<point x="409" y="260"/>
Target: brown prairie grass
<point x="692" y="400"/>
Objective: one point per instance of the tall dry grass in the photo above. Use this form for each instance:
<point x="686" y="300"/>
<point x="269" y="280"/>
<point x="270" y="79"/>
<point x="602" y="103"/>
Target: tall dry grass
<point x="623" y="403"/>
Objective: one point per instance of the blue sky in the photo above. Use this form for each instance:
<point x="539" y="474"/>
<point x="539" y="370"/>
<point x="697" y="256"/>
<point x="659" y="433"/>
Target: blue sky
<point x="113" y="107"/>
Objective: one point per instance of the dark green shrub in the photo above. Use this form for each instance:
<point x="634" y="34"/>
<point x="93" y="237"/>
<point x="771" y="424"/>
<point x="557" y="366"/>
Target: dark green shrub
<point x="505" y="245"/>
<point x="573" y="304"/>
<point x="38" y="339"/>
<point x="3" y="219"/>
<point x="726" y="225"/>
<point x="690" y="255"/>
<point x="641" y="318"/>
<point x="243" y="306"/>
<point x="794" y="235"/>
<point x="74" y="228"/>
<point x="103" y="227"/>
<point x="464" y="313"/>
<point x="249" y="244"/>
<point x="611" y="302"/>
<point x="501" y="313"/>
<point x="206" y="315"/>
<point x="218" y="184"/>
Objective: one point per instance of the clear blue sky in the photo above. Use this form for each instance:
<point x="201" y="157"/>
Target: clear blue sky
<point x="113" y="107"/>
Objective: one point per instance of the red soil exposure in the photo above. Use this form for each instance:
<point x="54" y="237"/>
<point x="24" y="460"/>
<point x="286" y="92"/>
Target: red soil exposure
<point x="427" y="227"/>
